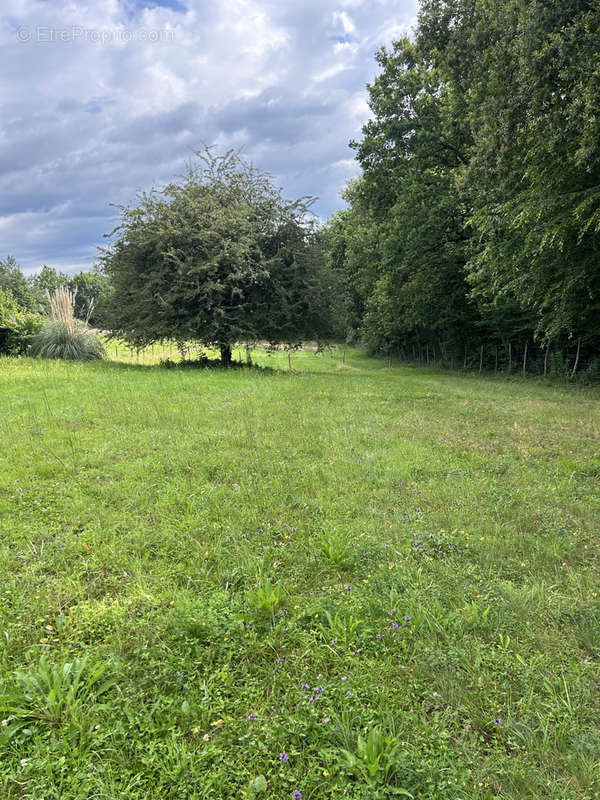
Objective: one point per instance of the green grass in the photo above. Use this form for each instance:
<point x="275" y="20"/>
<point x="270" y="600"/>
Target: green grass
<point x="185" y="541"/>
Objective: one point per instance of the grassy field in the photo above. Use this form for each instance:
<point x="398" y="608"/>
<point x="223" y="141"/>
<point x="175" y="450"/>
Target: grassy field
<point x="336" y="581"/>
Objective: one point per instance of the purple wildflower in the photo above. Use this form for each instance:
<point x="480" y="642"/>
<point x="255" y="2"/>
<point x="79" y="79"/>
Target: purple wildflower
<point x="283" y="756"/>
<point x="305" y="687"/>
<point x="392" y="612"/>
<point x="319" y="690"/>
<point x="395" y="626"/>
<point x="297" y="795"/>
<point x="406" y="618"/>
<point x="349" y="693"/>
<point x="280" y="660"/>
<point x="378" y="636"/>
<point x="252" y="717"/>
<point x="313" y="698"/>
<point x="347" y="587"/>
<point x="497" y="721"/>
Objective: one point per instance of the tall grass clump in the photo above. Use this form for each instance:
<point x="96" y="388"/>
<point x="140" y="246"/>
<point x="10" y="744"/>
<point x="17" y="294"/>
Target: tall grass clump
<point x="62" y="335"/>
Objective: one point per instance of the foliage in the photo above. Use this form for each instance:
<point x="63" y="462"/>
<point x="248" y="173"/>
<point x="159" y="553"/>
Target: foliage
<point x="476" y="219"/>
<point x="17" y="326"/>
<point x="218" y="258"/>
<point x="63" y="335"/>
<point x="57" y="339"/>
<point x="12" y="280"/>
<point x="375" y="760"/>
<point x="48" y="693"/>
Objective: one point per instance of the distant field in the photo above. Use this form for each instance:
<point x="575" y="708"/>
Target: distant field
<point x="343" y="580"/>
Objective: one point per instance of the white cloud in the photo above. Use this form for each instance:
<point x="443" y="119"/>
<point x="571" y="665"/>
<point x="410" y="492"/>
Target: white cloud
<point x="89" y="121"/>
<point x="344" y="20"/>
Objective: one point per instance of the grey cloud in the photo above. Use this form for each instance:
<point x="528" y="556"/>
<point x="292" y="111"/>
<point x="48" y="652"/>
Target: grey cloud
<point x="84" y="125"/>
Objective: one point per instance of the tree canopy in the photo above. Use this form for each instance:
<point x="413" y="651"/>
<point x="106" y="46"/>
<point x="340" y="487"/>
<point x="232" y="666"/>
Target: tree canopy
<point x="217" y="257"/>
<point x="476" y="219"/>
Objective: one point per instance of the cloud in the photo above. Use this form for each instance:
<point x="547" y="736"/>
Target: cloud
<point x="103" y="98"/>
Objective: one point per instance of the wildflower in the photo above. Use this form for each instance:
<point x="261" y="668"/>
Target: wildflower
<point x="319" y="690"/>
<point x="435" y="694"/>
<point x="313" y="698"/>
<point x="206" y="737"/>
<point x="283" y="613"/>
<point x="378" y="636"/>
<point x="392" y="612"/>
<point x="344" y="677"/>
<point x="283" y="756"/>
<point x="326" y="719"/>
<point x="497" y="721"/>
<point x="347" y="587"/>
<point x="24" y="762"/>
<point x="4" y="722"/>
<point x="280" y="660"/>
<point x="395" y="626"/>
<point x="406" y="618"/>
<point x="349" y="693"/>
<point x="297" y="795"/>
<point x="305" y="687"/>
<point x="252" y="717"/>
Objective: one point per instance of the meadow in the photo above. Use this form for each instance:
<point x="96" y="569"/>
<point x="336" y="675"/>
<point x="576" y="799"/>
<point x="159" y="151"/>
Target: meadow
<point x="339" y="580"/>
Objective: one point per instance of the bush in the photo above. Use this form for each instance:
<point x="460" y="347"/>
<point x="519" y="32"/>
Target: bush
<point x="64" y="336"/>
<point x="17" y="326"/>
<point x="73" y="342"/>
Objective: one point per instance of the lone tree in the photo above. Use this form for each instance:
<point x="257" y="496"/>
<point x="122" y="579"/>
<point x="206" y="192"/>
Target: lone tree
<point x="217" y="258"/>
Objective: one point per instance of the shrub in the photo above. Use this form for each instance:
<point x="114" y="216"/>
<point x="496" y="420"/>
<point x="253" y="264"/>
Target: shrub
<point x="57" y="339"/>
<point x="17" y="326"/>
<point x="64" y="336"/>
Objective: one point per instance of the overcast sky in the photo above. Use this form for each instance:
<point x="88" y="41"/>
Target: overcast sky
<point x="102" y="98"/>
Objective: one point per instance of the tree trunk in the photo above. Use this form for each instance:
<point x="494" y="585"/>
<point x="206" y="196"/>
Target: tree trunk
<point x="576" y="364"/>
<point x="495" y="358"/>
<point x="546" y="359"/>
<point x="225" y="354"/>
<point x="248" y="356"/>
<point x="480" y="358"/>
<point x="465" y="359"/>
<point x="525" y="358"/>
<point x="509" y="356"/>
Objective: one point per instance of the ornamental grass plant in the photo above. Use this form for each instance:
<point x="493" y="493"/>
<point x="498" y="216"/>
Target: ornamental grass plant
<point x="64" y="336"/>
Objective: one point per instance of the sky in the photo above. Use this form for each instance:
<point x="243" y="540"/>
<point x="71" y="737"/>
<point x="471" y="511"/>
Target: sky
<point x="104" y="98"/>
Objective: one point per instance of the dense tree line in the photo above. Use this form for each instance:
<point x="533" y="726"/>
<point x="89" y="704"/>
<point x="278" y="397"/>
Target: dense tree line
<point x="30" y="294"/>
<point x="472" y="234"/>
